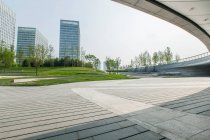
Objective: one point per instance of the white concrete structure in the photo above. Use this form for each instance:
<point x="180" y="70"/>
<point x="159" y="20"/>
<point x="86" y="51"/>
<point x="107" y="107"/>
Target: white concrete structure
<point x="191" y="15"/>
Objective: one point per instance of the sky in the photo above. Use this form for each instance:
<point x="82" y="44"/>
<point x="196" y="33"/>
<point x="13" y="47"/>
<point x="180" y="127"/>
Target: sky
<point x="107" y="28"/>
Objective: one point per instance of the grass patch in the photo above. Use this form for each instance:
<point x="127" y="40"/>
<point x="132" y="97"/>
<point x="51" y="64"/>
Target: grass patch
<point x="62" y="75"/>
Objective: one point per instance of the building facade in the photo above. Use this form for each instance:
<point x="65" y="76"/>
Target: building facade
<point x="69" y="39"/>
<point x="28" y="38"/>
<point x="7" y="24"/>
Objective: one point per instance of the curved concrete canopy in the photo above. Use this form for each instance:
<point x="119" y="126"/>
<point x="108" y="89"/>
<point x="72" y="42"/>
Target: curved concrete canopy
<point x="191" y="15"/>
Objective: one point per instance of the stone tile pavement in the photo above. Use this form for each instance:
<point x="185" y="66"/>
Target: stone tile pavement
<point x="140" y="109"/>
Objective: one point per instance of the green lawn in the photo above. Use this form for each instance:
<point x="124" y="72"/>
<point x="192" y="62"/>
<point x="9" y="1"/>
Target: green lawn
<point x="62" y="75"/>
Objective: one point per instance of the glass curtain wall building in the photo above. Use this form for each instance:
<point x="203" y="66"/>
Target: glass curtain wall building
<point x="69" y="39"/>
<point x="7" y="24"/>
<point x="28" y="38"/>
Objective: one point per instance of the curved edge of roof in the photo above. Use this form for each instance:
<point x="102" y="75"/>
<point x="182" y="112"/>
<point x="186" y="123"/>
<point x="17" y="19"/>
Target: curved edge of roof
<point x="161" y="11"/>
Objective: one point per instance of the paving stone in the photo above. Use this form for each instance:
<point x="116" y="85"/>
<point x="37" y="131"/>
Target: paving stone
<point x="199" y="109"/>
<point x="201" y="136"/>
<point x="88" y="139"/>
<point x="157" y="116"/>
<point x="126" y="123"/>
<point x="177" y="105"/>
<point x="19" y="110"/>
<point x="98" y="130"/>
<point x="206" y="113"/>
<point x="71" y="136"/>
<point x="179" y="128"/>
<point x="198" y="121"/>
<point x="85" y="126"/>
<point x="116" y="135"/>
<point x="140" y="128"/>
<point x="114" y="119"/>
<point x="145" y="136"/>
<point x="188" y="107"/>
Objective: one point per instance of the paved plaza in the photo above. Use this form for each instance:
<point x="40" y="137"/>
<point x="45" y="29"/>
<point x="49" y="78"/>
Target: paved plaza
<point x="138" y="109"/>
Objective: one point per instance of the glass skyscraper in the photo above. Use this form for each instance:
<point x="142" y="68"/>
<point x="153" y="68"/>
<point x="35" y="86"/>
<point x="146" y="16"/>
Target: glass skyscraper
<point x="28" y="37"/>
<point x="69" y="39"/>
<point x="7" y="24"/>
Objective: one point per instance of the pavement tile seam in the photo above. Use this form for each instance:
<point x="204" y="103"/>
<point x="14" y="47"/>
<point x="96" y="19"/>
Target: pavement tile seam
<point x="181" y="101"/>
<point x="134" y="135"/>
<point x="25" y="118"/>
<point x="44" y="102"/>
<point x="107" y="132"/>
<point x="171" y="136"/>
<point x="43" y="112"/>
<point x="172" y="129"/>
<point x="52" y="123"/>
<point x="53" y="106"/>
<point x="190" y="107"/>
<point x="198" y="110"/>
<point x="77" y="130"/>
<point x="69" y="130"/>
<point x="52" y="118"/>
<point x="204" y="135"/>
<point x="146" y="125"/>
<point x="49" y="100"/>
<point x="40" y="111"/>
<point x="171" y="101"/>
<point x="204" y="112"/>
<point x="199" y="123"/>
<point x="184" y="104"/>
<point x="50" y="109"/>
<point x="35" y="132"/>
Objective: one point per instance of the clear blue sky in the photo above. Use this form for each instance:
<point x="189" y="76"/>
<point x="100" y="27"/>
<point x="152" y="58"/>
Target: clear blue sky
<point x="107" y="28"/>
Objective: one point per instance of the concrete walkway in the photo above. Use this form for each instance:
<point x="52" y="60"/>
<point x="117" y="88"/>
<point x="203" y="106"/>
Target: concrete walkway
<point x="6" y="77"/>
<point x="139" y="109"/>
<point x="31" y="80"/>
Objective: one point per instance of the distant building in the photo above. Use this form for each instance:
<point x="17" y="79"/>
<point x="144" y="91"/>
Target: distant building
<point x="7" y="24"/>
<point x="28" y="37"/>
<point x="69" y="39"/>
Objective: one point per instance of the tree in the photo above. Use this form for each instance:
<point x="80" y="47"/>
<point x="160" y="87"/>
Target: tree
<point x="161" y="57"/>
<point x="93" y="60"/>
<point x="117" y="63"/>
<point x="26" y="63"/>
<point x="7" y="55"/>
<point x="109" y="63"/>
<point x="19" y="56"/>
<point x="50" y="55"/>
<point x="146" y="60"/>
<point x="38" y="55"/>
<point x="96" y="63"/>
<point x="168" y="55"/>
<point x="155" y="58"/>
<point x="113" y="64"/>
<point x="137" y="63"/>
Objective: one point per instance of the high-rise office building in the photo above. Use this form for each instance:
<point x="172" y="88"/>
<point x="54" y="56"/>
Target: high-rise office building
<point x="28" y="37"/>
<point x="7" y="24"/>
<point x="69" y="39"/>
